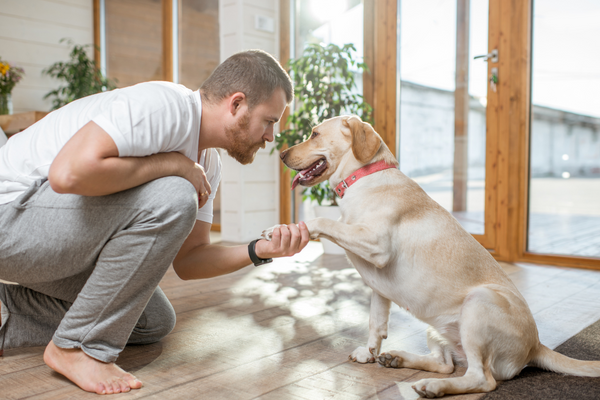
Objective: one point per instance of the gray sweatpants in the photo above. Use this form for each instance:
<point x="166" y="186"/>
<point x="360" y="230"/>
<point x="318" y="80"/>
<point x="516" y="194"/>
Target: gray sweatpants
<point x="88" y="268"/>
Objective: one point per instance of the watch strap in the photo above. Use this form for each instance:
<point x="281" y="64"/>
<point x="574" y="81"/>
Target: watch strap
<point x="256" y="259"/>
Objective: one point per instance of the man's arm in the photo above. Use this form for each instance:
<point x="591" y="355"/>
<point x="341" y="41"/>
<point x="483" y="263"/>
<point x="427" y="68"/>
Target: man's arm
<point x="89" y="165"/>
<point x="198" y="259"/>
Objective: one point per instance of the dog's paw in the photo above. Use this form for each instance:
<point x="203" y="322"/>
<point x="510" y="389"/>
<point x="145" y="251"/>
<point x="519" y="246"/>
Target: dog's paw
<point x="312" y="228"/>
<point x="363" y="355"/>
<point x="429" y="388"/>
<point x="389" y="360"/>
<point x="268" y="233"/>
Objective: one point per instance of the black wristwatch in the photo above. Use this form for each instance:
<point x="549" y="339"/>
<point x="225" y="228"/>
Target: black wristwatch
<point x="256" y="259"/>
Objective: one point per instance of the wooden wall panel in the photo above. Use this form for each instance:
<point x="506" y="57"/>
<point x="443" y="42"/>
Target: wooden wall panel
<point x="513" y="117"/>
<point x="134" y="35"/>
<point x="369" y="50"/>
<point x="97" y="28"/>
<point x="488" y="240"/>
<point x="379" y="86"/>
<point x="167" y="39"/>
<point x="285" y="195"/>
<point x="198" y="41"/>
<point x="520" y="108"/>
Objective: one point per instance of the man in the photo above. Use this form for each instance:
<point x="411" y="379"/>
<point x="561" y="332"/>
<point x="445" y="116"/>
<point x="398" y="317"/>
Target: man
<point x="102" y="195"/>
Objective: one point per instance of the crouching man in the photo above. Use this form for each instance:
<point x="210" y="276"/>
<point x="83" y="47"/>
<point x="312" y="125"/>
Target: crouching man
<point x="101" y="196"/>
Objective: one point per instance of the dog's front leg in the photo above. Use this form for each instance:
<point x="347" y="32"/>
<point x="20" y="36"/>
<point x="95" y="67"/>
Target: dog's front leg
<point x="367" y="243"/>
<point x="378" y="330"/>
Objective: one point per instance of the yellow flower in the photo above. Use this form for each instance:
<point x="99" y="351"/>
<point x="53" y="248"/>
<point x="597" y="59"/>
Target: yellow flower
<point x="4" y="67"/>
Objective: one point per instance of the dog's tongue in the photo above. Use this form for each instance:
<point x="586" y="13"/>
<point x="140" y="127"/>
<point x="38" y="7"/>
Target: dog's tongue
<point x="296" y="181"/>
<point x="299" y="175"/>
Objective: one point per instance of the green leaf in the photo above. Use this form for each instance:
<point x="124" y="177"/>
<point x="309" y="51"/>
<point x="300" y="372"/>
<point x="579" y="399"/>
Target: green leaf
<point x="324" y="79"/>
<point x="80" y="75"/>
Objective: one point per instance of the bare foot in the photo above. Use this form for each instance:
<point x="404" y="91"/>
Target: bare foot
<point x="88" y="373"/>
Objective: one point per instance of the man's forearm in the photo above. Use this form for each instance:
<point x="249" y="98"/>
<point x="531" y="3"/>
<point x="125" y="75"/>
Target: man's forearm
<point x="198" y="259"/>
<point x="115" y="174"/>
<point x="89" y="165"/>
<point x="210" y="260"/>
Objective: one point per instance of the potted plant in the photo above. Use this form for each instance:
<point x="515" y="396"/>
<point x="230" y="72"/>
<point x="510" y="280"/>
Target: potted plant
<point x="81" y="75"/>
<point x="324" y="83"/>
<point x="10" y="75"/>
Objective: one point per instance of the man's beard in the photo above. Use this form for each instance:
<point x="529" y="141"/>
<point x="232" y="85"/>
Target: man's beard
<point x="241" y="147"/>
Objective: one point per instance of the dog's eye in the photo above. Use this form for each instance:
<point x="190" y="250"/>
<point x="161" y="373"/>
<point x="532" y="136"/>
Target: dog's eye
<point x="314" y="134"/>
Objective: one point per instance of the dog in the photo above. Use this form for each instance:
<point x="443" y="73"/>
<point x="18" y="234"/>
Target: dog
<point x="411" y="251"/>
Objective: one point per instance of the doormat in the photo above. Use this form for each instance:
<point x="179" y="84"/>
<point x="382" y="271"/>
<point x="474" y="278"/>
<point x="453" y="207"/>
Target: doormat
<point x="534" y="383"/>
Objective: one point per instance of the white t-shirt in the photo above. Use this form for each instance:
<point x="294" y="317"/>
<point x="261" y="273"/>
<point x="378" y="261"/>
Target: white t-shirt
<point x="145" y="119"/>
<point x="2" y="137"/>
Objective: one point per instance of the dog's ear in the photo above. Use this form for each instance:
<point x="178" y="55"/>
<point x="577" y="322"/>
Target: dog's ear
<point x="365" y="141"/>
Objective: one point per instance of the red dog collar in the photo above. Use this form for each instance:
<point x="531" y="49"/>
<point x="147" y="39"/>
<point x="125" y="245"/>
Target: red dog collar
<point x="360" y="173"/>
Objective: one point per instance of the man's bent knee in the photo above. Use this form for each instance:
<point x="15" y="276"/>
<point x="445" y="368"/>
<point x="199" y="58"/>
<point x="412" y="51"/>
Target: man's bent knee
<point x="156" y="322"/>
<point x="153" y="330"/>
<point x="172" y="199"/>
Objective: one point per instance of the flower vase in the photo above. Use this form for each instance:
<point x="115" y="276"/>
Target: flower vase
<point x="6" y="106"/>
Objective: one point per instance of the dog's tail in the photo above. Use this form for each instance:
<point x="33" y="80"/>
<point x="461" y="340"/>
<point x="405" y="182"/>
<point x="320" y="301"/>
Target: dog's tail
<point x="553" y="361"/>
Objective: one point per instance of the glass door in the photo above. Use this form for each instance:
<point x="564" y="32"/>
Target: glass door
<point x="564" y="161"/>
<point x="338" y="22"/>
<point x="442" y="105"/>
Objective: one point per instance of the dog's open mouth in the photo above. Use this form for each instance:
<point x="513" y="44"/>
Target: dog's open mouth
<point x="306" y="175"/>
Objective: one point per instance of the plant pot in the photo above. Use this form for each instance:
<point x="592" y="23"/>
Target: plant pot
<point x="5" y="104"/>
<point x="334" y="213"/>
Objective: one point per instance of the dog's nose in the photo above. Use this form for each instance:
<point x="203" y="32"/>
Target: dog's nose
<point x="283" y="155"/>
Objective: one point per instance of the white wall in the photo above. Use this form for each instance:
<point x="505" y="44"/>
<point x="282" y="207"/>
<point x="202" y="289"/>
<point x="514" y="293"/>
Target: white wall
<point x="249" y="194"/>
<point x="30" y="31"/>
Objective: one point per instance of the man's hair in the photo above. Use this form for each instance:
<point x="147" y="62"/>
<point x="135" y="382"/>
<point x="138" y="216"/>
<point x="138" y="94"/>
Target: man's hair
<point x="254" y="72"/>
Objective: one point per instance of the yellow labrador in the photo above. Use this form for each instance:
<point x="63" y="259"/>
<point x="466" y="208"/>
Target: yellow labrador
<point x="411" y="251"/>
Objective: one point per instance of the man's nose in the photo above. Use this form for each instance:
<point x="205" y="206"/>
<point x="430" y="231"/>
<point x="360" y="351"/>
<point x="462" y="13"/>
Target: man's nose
<point x="269" y="136"/>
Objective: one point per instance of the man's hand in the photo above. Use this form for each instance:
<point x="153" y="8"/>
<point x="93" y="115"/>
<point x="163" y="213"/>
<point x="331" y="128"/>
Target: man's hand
<point x="197" y="177"/>
<point x="286" y="240"/>
<point x="198" y="259"/>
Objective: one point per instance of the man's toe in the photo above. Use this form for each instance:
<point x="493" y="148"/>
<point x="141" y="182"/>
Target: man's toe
<point x="124" y="386"/>
<point x="100" y="388"/>
<point x="134" y="383"/>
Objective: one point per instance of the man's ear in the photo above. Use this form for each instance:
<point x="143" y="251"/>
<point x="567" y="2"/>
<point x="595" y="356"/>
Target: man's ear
<point x="365" y="141"/>
<point x="235" y="102"/>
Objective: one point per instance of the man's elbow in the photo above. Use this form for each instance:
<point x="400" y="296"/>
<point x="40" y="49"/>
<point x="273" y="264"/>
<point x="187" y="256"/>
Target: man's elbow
<point x="62" y="181"/>
<point x="181" y="272"/>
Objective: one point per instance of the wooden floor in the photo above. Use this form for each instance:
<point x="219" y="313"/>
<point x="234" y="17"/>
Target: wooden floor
<point x="284" y="331"/>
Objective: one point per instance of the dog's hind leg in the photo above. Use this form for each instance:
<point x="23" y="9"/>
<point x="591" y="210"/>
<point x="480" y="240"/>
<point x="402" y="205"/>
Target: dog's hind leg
<point x="439" y="360"/>
<point x="378" y="330"/>
<point x="481" y="309"/>
<point x="477" y="379"/>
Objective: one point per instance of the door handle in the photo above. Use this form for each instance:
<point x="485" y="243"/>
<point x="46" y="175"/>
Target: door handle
<point x="486" y="57"/>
